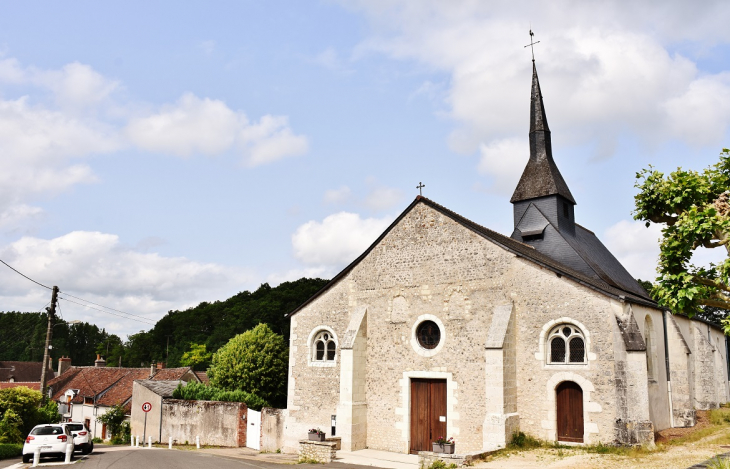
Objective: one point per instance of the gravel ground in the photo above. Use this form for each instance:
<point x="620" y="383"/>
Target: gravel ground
<point x="666" y="456"/>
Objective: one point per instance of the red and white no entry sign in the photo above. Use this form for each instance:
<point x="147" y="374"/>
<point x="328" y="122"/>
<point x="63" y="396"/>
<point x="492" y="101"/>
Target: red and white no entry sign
<point x="146" y="407"/>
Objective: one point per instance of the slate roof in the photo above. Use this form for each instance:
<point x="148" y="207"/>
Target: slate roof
<point x="109" y="385"/>
<point x="516" y="247"/>
<point x="161" y="388"/>
<point x="541" y="176"/>
<point x="22" y="371"/>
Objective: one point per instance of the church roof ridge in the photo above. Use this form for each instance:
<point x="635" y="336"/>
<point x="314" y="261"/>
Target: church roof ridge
<point x="541" y="176"/>
<point x="516" y="247"/>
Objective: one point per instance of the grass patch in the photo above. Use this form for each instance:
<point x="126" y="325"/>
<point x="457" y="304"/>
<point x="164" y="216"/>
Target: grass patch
<point x="522" y="441"/>
<point x="10" y="450"/>
<point x="718" y="463"/>
<point x="308" y="461"/>
<point x="441" y="465"/>
<point x="720" y="416"/>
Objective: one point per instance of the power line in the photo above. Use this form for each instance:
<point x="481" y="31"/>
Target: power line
<point x="138" y="318"/>
<point x="107" y="307"/>
<point x="20" y="273"/>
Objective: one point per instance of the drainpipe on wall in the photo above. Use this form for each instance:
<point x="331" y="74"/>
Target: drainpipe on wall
<point x="666" y="361"/>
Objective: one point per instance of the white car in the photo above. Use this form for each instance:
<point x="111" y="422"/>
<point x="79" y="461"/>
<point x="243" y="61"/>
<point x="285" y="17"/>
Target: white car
<point x="53" y="440"/>
<point x="82" y="437"/>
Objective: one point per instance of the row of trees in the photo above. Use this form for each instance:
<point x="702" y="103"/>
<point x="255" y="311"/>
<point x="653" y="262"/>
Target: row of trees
<point x="181" y="338"/>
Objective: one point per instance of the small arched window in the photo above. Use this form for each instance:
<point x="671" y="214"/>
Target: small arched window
<point x="324" y="347"/>
<point x="566" y="345"/>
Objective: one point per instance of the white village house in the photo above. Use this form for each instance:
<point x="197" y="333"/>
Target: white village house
<point x="443" y="327"/>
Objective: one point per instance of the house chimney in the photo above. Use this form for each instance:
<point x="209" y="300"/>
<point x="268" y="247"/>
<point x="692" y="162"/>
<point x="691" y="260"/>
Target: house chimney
<point x="64" y="363"/>
<point x="100" y="362"/>
<point x="152" y="370"/>
<point x="160" y="365"/>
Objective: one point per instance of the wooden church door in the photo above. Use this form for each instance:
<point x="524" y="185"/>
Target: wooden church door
<point x="428" y="413"/>
<point x="570" y="412"/>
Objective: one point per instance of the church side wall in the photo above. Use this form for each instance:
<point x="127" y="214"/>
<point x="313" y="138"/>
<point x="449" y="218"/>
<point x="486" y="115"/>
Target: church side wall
<point x="657" y="375"/>
<point x="542" y="303"/>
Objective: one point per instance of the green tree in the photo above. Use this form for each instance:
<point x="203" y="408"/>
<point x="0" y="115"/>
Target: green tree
<point x="20" y="412"/>
<point x="201" y="392"/>
<point x="196" y="356"/>
<point x="113" y="418"/>
<point x="694" y="208"/>
<point x="255" y="362"/>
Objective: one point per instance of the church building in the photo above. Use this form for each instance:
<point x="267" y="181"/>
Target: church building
<point x="443" y="327"/>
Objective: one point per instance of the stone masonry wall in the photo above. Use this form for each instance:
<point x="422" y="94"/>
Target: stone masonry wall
<point x="430" y="267"/>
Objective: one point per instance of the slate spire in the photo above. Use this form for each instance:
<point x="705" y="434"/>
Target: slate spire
<point x="541" y="176"/>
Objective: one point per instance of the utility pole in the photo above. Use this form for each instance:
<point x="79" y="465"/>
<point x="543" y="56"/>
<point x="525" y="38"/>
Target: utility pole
<point x="51" y="315"/>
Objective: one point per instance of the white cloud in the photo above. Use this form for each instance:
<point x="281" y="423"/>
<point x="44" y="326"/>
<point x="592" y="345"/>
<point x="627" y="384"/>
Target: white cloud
<point x="194" y="125"/>
<point x="337" y="196"/>
<point x="13" y="215"/>
<point x="498" y="162"/>
<point x="98" y="267"/>
<point x="605" y="69"/>
<point x="271" y="140"/>
<point x="337" y="240"/>
<point x="637" y="248"/>
<point x="76" y="85"/>
<point x="383" y="198"/>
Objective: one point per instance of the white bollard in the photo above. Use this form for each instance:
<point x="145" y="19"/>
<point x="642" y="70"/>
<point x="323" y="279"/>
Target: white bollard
<point x="169" y="443"/>
<point x="36" y="456"/>
<point x="69" y="453"/>
<point x="197" y="442"/>
<point x="131" y="441"/>
<point x="149" y="442"/>
<point x="137" y="441"/>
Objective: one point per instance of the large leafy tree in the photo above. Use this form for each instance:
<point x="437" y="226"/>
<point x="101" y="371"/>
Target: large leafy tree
<point x="694" y="207"/>
<point x="20" y="411"/>
<point x="255" y="362"/>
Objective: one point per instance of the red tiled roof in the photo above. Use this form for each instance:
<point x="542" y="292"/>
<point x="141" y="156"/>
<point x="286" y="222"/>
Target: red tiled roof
<point x="26" y="372"/>
<point x="170" y="374"/>
<point x="33" y="385"/>
<point x="202" y="376"/>
<point x="110" y="386"/>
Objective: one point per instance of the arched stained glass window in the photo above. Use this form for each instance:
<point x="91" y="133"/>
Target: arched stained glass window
<point x="324" y="347"/>
<point x="566" y="345"/>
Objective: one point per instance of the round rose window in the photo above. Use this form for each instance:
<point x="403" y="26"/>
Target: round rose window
<point x="428" y="334"/>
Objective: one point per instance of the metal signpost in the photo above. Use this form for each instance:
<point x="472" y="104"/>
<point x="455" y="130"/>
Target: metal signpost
<point x="146" y="407"/>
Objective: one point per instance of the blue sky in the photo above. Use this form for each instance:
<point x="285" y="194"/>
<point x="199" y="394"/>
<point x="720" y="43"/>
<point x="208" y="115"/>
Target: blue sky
<point x="159" y="155"/>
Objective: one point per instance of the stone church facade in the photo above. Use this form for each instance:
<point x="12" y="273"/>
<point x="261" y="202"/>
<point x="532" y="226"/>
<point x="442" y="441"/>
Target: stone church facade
<point x="446" y="328"/>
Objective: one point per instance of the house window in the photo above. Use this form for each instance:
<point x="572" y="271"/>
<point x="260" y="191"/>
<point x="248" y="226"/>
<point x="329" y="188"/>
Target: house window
<point x="89" y="400"/>
<point x="324" y="347"/>
<point x="566" y="345"/>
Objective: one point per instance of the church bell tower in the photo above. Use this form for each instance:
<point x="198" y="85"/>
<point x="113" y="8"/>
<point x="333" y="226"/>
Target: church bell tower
<point x="542" y="197"/>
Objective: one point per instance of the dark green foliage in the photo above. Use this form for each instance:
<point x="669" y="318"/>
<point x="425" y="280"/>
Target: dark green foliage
<point x="113" y="418"/>
<point x="214" y="324"/>
<point x="22" y="335"/>
<point x="256" y="362"/>
<point x="10" y="450"/>
<point x="201" y="392"/>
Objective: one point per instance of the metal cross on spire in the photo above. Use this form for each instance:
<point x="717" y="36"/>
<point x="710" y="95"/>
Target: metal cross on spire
<point x="531" y="44"/>
<point x="420" y="187"/>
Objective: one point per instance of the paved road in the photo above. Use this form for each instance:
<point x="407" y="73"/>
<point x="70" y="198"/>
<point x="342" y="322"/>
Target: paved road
<point x="125" y="458"/>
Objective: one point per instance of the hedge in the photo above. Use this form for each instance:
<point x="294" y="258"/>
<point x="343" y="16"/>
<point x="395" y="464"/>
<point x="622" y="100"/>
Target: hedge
<point x="10" y="450"/>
